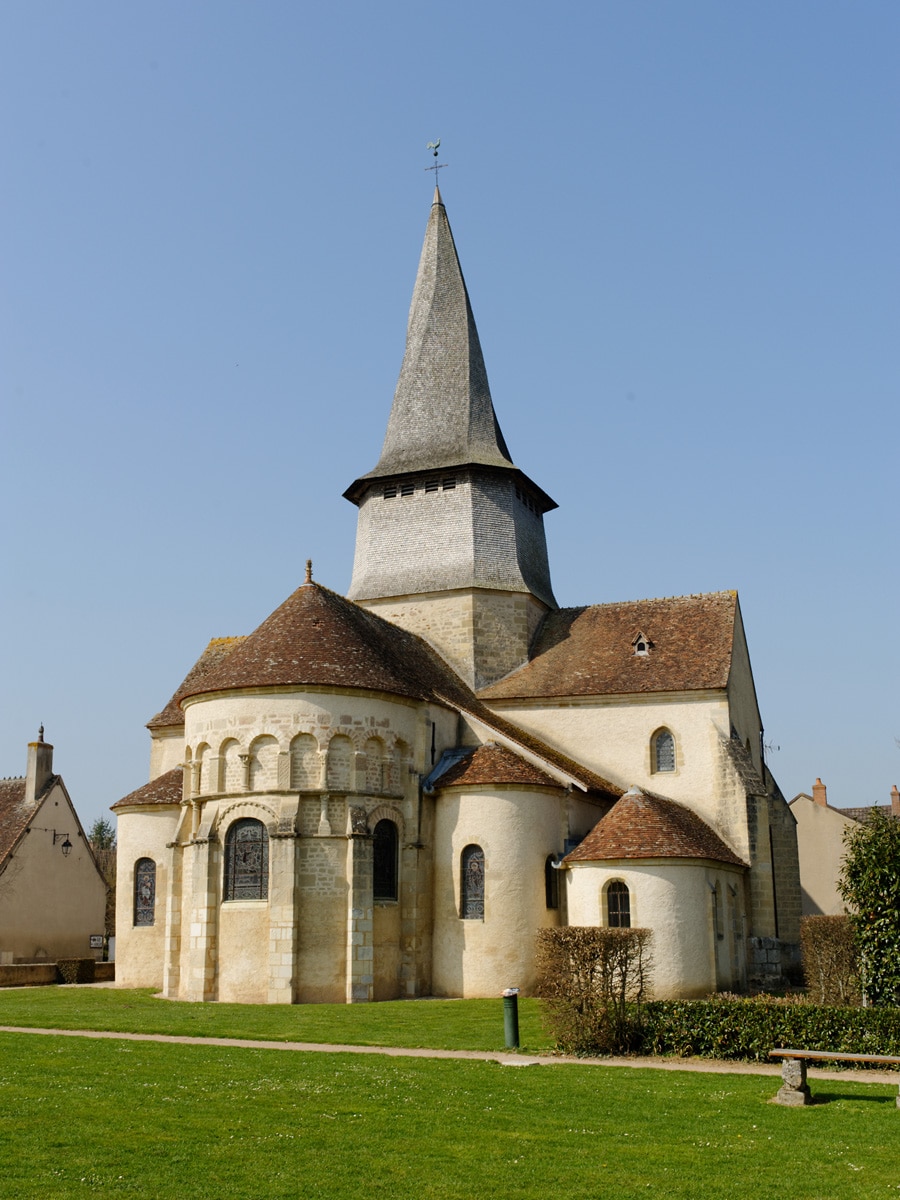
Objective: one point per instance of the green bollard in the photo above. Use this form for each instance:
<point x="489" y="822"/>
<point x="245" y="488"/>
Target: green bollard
<point x="511" y="1018"/>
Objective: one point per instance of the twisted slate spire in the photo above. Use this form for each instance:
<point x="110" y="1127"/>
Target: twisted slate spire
<point x="442" y="415"/>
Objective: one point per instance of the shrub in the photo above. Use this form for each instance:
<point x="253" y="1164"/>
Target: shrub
<point x="830" y="960"/>
<point x="75" y="970"/>
<point x="870" y="884"/>
<point x="593" y="982"/>
<point x="732" y="1027"/>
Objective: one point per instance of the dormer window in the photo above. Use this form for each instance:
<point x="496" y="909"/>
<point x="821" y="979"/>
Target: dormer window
<point x="641" y="644"/>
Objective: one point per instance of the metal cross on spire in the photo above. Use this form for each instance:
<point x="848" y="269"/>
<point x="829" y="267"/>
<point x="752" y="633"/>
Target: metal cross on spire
<point x="437" y="166"/>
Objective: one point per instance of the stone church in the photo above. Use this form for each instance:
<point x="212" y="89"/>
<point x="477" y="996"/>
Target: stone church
<point x="387" y="795"/>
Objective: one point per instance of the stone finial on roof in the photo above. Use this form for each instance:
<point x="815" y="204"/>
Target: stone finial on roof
<point x="309" y="577"/>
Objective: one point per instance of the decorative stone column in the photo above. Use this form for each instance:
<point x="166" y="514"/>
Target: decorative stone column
<point x="201" y="870"/>
<point x="283" y="915"/>
<point x="360" y="942"/>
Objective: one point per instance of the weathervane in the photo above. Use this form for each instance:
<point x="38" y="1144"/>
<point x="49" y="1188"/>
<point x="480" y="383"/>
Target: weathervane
<point x="437" y="166"/>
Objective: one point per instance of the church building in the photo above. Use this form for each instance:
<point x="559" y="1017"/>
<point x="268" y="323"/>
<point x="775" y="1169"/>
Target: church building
<point x="388" y="794"/>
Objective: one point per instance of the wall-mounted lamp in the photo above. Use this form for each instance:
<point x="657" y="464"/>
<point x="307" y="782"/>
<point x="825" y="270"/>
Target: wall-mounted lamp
<point x="66" y="846"/>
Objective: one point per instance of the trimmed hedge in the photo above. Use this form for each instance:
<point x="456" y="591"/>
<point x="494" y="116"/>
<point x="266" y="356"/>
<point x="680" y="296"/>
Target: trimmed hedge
<point x="733" y="1028"/>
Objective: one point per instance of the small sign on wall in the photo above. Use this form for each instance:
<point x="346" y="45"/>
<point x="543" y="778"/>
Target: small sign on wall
<point x="96" y="941"/>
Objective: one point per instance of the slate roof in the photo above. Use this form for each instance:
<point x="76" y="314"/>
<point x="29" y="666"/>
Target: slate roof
<point x="217" y="650"/>
<point x="491" y="764"/>
<point x="164" y="789"/>
<point x="442" y="415"/>
<point x="590" y="651"/>
<point x="642" y="825"/>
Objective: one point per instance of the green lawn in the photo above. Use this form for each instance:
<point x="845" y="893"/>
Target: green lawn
<point x="112" y="1118"/>
<point x="442" y="1024"/>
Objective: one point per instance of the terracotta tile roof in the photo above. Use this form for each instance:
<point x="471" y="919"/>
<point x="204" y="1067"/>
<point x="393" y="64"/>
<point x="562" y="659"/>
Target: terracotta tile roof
<point x="14" y="813"/>
<point x="217" y="650"/>
<point x="321" y="639"/>
<point x="492" y="764"/>
<point x="863" y="813"/>
<point x="590" y="651"/>
<point x="594" y="784"/>
<point x="164" y="789"/>
<point x="648" y="826"/>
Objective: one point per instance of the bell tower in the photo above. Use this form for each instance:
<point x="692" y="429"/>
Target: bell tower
<point x="450" y="537"/>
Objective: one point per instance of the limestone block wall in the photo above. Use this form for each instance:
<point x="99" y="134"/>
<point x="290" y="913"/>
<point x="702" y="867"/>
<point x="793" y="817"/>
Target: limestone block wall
<point x="166" y="750"/>
<point x="481" y="634"/>
<point x="517" y="830"/>
<point x="695" y="910"/>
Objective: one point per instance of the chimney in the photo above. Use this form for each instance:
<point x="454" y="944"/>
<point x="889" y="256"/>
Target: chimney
<point x="819" y="796"/>
<point x="40" y="767"/>
<point x="895" y="802"/>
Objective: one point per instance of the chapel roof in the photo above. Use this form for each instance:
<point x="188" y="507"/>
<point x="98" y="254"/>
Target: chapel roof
<point x="488" y="764"/>
<point x="164" y="789"/>
<point x="442" y="415"/>
<point x="217" y="650"/>
<point x="642" y="825"/>
<point x="15" y="813"/>
<point x="591" y="651"/>
<point x="318" y="638"/>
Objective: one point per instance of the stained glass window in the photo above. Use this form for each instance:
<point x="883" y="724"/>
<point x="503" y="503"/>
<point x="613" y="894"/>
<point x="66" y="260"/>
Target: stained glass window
<point x="472" y="872"/>
<point x="144" y="891"/>
<point x="664" y="751"/>
<point x="618" y="906"/>
<point x="551" y="882"/>
<point x="384" y="861"/>
<point x="247" y="861"/>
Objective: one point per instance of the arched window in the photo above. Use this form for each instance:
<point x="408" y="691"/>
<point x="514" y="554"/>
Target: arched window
<point x="663" y="751"/>
<point x="144" y="891"/>
<point x="618" y="906"/>
<point x="246" y="861"/>
<point x="471" y="907"/>
<point x="385" y="844"/>
<point x="551" y="882"/>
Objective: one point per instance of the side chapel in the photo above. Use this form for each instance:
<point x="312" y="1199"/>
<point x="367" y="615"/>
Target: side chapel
<point x="387" y="794"/>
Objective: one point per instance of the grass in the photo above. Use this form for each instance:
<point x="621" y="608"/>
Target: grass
<point x="107" y="1118"/>
<point x="438" y="1024"/>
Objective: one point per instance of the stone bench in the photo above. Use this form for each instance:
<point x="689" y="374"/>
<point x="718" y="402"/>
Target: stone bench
<point x="794" y="1089"/>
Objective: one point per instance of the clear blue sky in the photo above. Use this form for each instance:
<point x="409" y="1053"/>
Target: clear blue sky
<point x="679" y="228"/>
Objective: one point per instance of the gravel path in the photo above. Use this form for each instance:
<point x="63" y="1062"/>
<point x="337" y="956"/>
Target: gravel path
<point x="506" y="1059"/>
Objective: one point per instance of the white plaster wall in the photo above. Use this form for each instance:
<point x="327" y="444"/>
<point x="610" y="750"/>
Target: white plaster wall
<point x="517" y="830"/>
<point x="613" y="736"/>
<point x="744" y="709"/>
<point x="142" y="833"/>
<point x="166" y="750"/>
<point x="51" y="904"/>
<point x="820" y="844"/>
<point x="673" y="899"/>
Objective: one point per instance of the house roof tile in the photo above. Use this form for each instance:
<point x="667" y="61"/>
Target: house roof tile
<point x="163" y="790"/>
<point x="493" y="764"/>
<point x="643" y="825"/>
<point x="590" y="651"/>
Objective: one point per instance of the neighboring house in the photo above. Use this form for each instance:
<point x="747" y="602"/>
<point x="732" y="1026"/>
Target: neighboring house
<point x="387" y="795"/>
<point x="821" y="832"/>
<point x="52" y="895"/>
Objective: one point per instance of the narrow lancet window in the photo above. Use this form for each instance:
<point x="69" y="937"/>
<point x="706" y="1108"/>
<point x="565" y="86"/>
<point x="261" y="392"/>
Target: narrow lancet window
<point x="144" y="891"/>
<point x="472" y="884"/>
